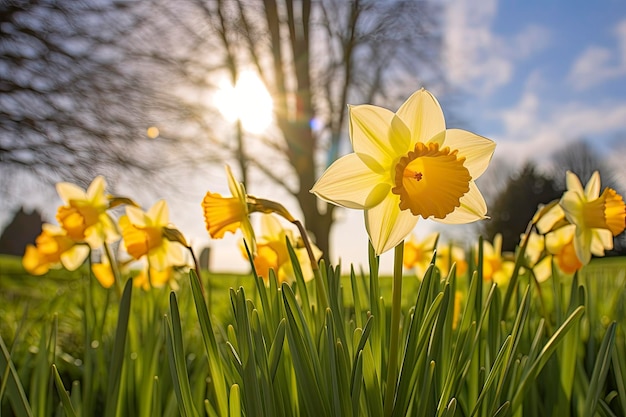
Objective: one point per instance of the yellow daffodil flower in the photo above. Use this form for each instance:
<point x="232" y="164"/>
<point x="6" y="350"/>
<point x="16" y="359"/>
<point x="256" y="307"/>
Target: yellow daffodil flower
<point x="407" y="164"/>
<point x="153" y="278"/>
<point x="84" y="215"/>
<point x="560" y="252"/>
<point x="103" y="273"/>
<point x="227" y="214"/>
<point x="495" y="267"/>
<point x="418" y="254"/>
<point x="451" y="254"/>
<point x="143" y="235"/>
<point x="53" y="247"/>
<point x="272" y="252"/>
<point x="597" y="217"/>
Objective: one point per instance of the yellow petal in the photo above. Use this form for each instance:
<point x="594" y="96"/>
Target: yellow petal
<point x="159" y="214"/>
<point x="236" y="189"/>
<point x="387" y="225"/>
<point x="74" y="257"/>
<point x="472" y="208"/>
<point x="549" y="218"/>
<point x="95" y="192"/>
<point x="348" y="182"/>
<point x="375" y="133"/>
<point x="601" y="239"/>
<point x="614" y="211"/>
<point x="103" y="274"/>
<point x="68" y="191"/>
<point x="271" y="228"/>
<point x="582" y="245"/>
<point x="573" y="183"/>
<point x="137" y="216"/>
<point x="543" y="269"/>
<point x="477" y="150"/>
<point x="423" y="116"/>
<point x="560" y="237"/>
<point x="592" y="189"/>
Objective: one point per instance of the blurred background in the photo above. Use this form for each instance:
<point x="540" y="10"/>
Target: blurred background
<point x="157" y="96"/>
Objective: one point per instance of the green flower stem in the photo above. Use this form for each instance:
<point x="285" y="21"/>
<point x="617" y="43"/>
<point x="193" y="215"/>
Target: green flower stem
<point x="114" y="269"/>
<point x="396" y="308"/>
<point x="319" y="281"/>
<point x="197" y="266"/>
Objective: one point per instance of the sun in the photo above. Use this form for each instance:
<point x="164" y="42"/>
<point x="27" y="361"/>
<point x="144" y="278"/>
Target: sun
<point x="248" y="101"/>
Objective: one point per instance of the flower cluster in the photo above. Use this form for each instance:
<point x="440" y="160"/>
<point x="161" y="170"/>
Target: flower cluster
<point x="581" y="224"/>
<point x="270" y="251"/>
<point x="86" y="225"/>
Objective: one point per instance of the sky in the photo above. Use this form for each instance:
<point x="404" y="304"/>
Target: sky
<point x="532" y="75"/>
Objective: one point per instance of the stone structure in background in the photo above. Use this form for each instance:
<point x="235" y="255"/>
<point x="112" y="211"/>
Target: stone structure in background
<point x="22" y="230"/>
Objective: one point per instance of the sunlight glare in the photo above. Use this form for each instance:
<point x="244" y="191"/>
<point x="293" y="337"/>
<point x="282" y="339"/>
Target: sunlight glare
<point x="248" y="101"/>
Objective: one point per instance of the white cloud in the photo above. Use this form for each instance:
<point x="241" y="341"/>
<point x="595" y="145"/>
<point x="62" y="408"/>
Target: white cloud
<point x="597" y="65"/>
<point x="534" y="132"/>
<point x="476" y="58"/>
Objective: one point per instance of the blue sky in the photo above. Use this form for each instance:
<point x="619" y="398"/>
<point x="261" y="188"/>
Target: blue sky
<point x="536" y="74"/>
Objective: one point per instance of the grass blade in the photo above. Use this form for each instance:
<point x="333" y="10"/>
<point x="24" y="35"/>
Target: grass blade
<point x="65" y="398"/>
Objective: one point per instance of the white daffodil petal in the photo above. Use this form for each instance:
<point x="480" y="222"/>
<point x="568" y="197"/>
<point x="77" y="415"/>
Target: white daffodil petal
<point x="74" y="257"/>
<point x="348" y="182"/>
<point x="68" y="191"/>
<point x="572" y="204"/>
<point x="472" y="208"/>
<point x="582" y="245"/>
<point x="557" y="239"/>
<point x="271" y="229"/>
<point x="477" y="150"/>
<point x="387" y="225"/>
<point x="370" y="130"/>
<point x="159" y="214"/>
<point x="543" y="269"/>
<point x="423" y="116"/>
<point x="592" y="189"/>
<point x="573" y="183"/>
<point x="95" y="192"/>
<point x="550" y="218"/>
<point x="136" y="216"/>
<point x="601" y="239"/>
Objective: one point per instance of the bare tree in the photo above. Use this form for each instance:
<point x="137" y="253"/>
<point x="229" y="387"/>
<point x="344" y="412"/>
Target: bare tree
<point x="85" y="79"/>
<point x="582" y="159"/>
<point x="315" y="57"/>
<point x="76" y="100"/>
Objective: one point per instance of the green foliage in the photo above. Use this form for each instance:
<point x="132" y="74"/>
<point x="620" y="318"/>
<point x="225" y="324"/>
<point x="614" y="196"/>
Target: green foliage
<point x="465" y="348"/>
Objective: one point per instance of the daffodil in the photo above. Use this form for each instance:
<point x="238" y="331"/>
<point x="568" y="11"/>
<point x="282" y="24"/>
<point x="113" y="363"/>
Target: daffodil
<point x="272" y="252"/>
<point x="404" y="165"/>
<point x="84" y="215"/>
<point x="227" y="214"/>
<point x="143" y="234"/>
<point x="496" y="267"/>
<point x="53" y="247"/>
<point x="597" y="217"/>
<point x="418" y="254"/>
<point x="560" y="252"/>
<point x="450" y="254"/>
<point x="104" y="273"/>
<point x="153" y="278"/>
